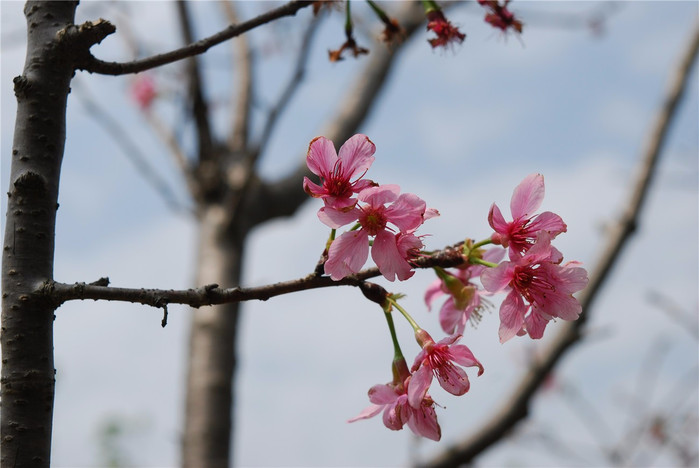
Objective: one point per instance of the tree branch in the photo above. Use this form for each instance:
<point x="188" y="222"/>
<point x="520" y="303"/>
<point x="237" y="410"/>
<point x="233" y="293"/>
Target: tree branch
<point x="199" y="108"/>
<point x="517" y="406"/>
<point x="94" y="65"/>
<point x="284" y="197"/>
<point x="131" y="150"/>
<point x="238" y="139"/>
<point x="212" y="294"/>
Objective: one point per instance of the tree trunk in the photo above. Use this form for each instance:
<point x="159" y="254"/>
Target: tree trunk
<point x="27" y="263"/>
<point x="209" y="405"/>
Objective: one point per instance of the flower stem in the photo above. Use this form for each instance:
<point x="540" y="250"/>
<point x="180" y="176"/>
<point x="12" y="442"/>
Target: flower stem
<point x="407" y="316"/>
<point x="481" y="243"/>
<point x="330" y="239"/>
<point x="392" y="328"/>
<point x="480" y="261"/>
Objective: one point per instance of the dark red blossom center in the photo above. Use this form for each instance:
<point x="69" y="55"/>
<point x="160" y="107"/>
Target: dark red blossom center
<point x="373" y="219"/>
<point x="531" y="284"/>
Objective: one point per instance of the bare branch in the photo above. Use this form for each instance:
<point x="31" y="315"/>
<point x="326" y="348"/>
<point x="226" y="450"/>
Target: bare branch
<point x="94" y="65"/>
<point x="247" y="167"/>
<point x="131" y="150"/>
<point x="238" y="139"/>
<point x="212" y="294"/>
<point x="284" y="197"/>
<point x="290" y="89"/>
<point x="166" y="135"/>
<point x="517" y="406"/>
<point x="199" y="109"/>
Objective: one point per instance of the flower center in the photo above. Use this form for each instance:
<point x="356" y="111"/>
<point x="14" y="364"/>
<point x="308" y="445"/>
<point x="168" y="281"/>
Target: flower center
<point x="373" y="219"/>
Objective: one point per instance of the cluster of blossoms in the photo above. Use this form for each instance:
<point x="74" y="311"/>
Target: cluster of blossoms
<point x="539" y="287"/>
<point x="341" y="179"/>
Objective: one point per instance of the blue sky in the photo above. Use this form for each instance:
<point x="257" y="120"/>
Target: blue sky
<point x="460" y="129"/>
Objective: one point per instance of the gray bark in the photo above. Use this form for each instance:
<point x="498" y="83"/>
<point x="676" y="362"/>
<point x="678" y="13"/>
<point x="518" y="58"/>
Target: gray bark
<point x="209" y="405"/>
<point x="27" y="319"/>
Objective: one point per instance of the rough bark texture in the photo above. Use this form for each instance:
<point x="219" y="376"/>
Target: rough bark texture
<point x="27" y="319"/>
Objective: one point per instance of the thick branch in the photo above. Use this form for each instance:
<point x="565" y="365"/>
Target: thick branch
<point x="517" y="406"/>
<point x="212" y="294"/>
<point x="95" y="65"/>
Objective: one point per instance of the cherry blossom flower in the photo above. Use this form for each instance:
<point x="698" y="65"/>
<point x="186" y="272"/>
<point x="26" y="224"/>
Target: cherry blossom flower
<point x="465" y="297"/>
<point x="520" y="233"/>
<point x="393" y="401"/>
<point x="336" y="172"/>
<point x="446" y="32"/>
<point x="437" y="359"/>
<point x="500" y="16"/>
<point x="390" y="251"/>
<point x="538" y="287"/>
<point x="143" y="91"/>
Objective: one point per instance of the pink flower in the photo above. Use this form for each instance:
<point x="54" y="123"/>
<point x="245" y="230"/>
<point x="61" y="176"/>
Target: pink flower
<point x="520" y="233"/>
<point x="539" y="289"/>
<point x="143" y="91"/>
<point x="464" y="296"/>
<point x="391" y="252"/>
<point x="446" y="32"/>
<point x="500" y="17"/>
<point x="336" y="172"/>
<point x="437" y="359"/>
<point x="393" y="401"/>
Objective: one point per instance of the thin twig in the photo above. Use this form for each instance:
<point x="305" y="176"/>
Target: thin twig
<point x="131" y="150"/>
<point x="199" y="109"/>
<point x="238" y="139"/>
<point x="166" y="135"/>
<point x="95" y="65"/>
<point x="291" y="87"/>
<point x="517" y="404"/>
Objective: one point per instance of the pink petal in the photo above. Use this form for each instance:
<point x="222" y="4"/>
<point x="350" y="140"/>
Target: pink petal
<point x="536" y="324"/>
<point x="347" y="254"/>
<point x="512" y="312"/>
<point x="527" y="196"/>
<point x="462" y="355"/>
<point x="368" y="412"/>
<point x="357" y="156"/>
<point x="560" y="305"/>
<point x="548" y="221"/>
<point x="453" y="379"/>
<point x="335" y="218"/>
<point x="572" y="279"/>
<point x="497" y="221"/>
<point x="321" y="156"/>
<point x="451" y="319"/>
<point x="423" y="422"/>
<point x="382" y="394"/>
<point x="393" y="417"/>
<point x="433" y="291"/>
<point x="378" y="196"/>
<point x="498" y="278"/>
<point x="389" y="259"/>
<point x="312" y="189"/>
<point x="406" y="212"/>
<point x="418" y="385"/>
